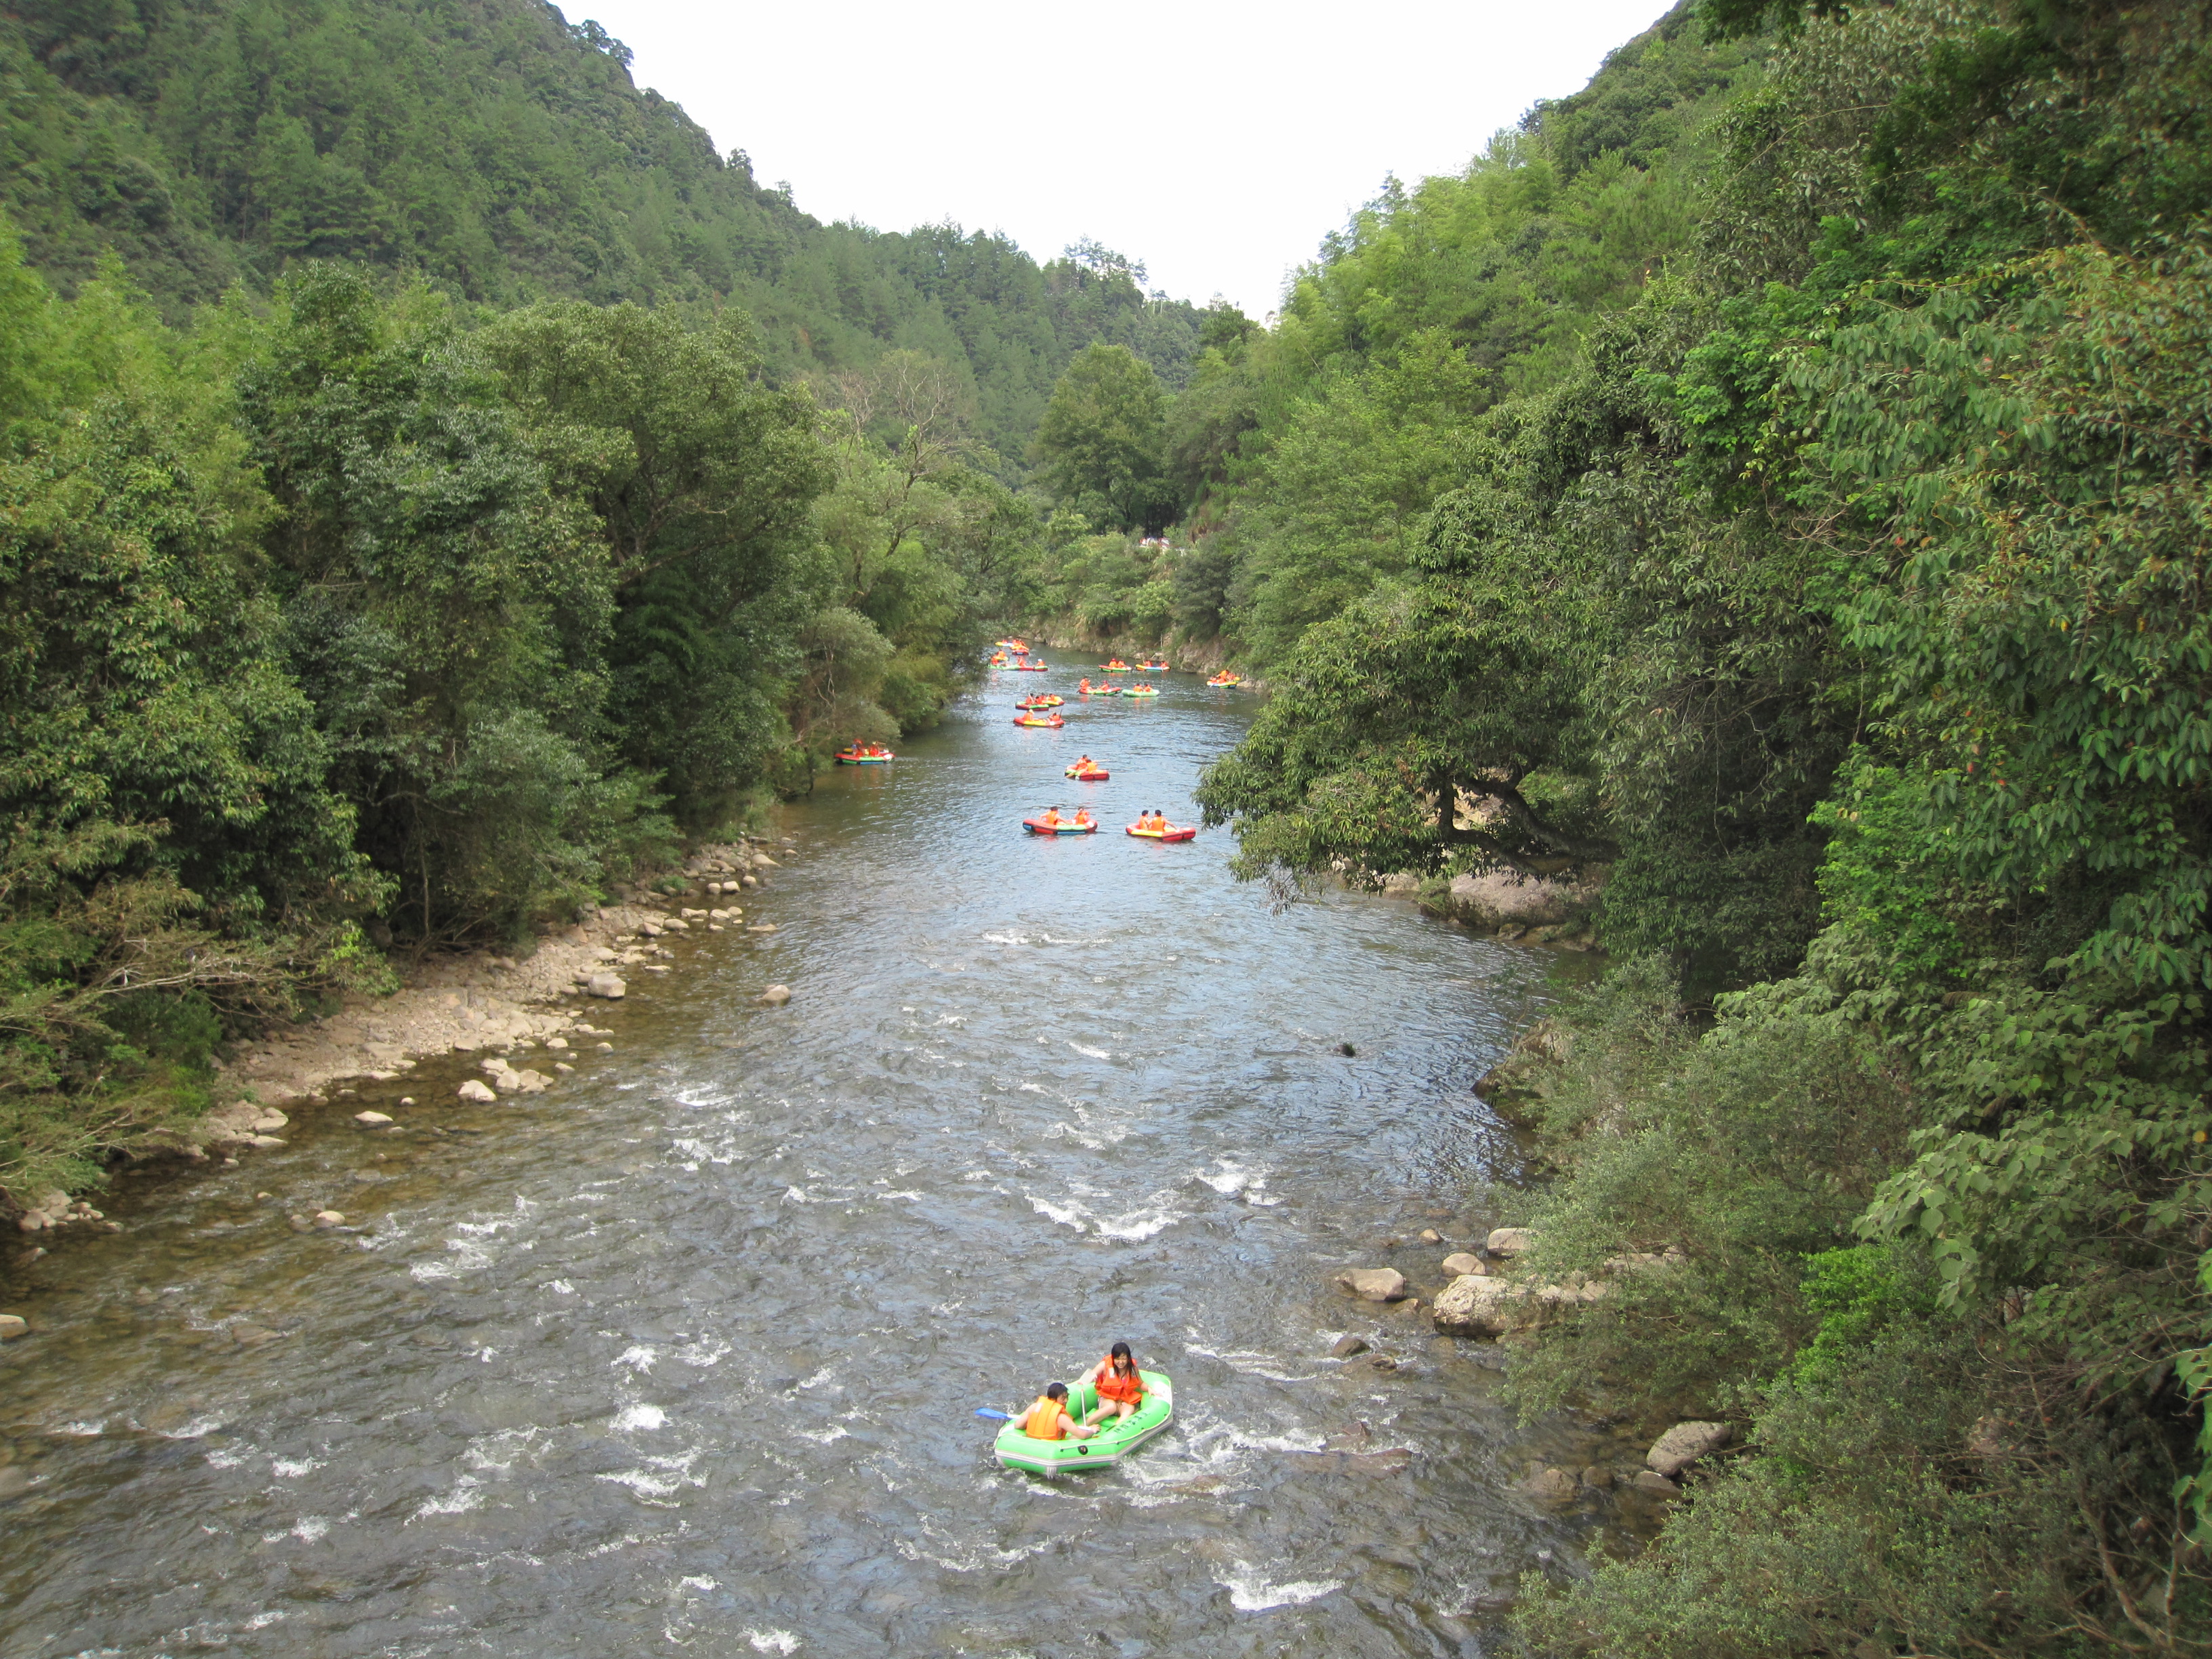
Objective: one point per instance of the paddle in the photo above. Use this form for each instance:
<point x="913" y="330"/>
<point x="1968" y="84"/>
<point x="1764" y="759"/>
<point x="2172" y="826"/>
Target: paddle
<point x="996" y="1416"/>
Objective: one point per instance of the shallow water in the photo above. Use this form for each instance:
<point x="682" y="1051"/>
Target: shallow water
<point x="685" y="1352"/>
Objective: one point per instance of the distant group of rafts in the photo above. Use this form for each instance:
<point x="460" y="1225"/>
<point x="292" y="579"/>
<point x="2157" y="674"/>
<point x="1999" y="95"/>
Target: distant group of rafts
<point x="1040" y="709"/>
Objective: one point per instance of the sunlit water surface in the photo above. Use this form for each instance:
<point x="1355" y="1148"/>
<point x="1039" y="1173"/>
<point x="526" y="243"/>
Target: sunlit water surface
<point x="685" y="1353"/>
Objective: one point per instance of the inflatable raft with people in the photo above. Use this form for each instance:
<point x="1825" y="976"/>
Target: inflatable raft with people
<point x="1116" y="1438"/>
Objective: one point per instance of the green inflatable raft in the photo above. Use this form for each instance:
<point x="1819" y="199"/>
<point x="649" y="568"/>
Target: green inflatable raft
<point x="1114" y="1441"/>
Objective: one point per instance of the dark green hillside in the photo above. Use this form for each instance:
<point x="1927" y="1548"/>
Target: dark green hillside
<point x="505" y="156"/>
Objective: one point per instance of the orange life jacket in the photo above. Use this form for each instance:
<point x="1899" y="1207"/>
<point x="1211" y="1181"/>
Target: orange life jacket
<point x="1041" y="1420"/>
<point x="1051" y="817"/>
<point x="1128" y="1389"/>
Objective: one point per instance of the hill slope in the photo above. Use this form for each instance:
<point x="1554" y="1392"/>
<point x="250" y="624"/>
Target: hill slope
<point x="505" y="154"/>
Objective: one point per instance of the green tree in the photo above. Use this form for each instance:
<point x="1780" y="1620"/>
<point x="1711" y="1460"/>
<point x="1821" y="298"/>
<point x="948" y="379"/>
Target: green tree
<point x="1100" y="444"/>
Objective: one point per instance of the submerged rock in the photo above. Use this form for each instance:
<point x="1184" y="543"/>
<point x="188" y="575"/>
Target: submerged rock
<point x="1346" y="1346"/>
<point x="1553" y="1486"/>
<point x="475" y="1090"/>
<point x="776" y="995"/>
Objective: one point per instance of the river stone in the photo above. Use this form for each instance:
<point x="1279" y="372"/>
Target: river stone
<point x="372" y="1118"/>
<point x="329" y="1218"/>
<point x="1464" y="1261"/>
<point x="1684" y="1444"/>
<point x="1510" y="1241"/>
<point x="1374" y="1284"/>
<point x="1553" y="1486"/>
<point x="1346" y="1346"/>
<point x="1654" y="1485"/>
<point x="1598" y="1476"/>
<point x="604" y="984"/>
<point x="1474" y="1305"/>
<point x="472" y="1090"/>
<point x="12" y="1326"/>
<point x="1431" y="1236"/>
<point x="253" y="1336"/>
<point x="776" y="995"/>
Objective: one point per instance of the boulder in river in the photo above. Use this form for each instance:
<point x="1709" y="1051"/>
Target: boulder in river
<point x="1460" y="1263"/>
<point x="1346" y="1346"/>
<point x="1654" y="1485"/>
<point x="472" y="1090"/>
<point x="372" y="1119"/>
<point x="1374" y="1284"/>
<point x="327" y="1219"/>
<point x="1510" y="1241"/>
<point x="1475" y="1305"/>
<point x="1684" y="1444"/>
<point x="604" y="984"/>
<point x="13" y="1326"/>
<point x="776" y="995"/>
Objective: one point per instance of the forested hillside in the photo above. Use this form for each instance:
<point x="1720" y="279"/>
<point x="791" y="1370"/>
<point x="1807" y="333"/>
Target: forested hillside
<point x="1770" y="489"/>
<point x="503" y="154"/>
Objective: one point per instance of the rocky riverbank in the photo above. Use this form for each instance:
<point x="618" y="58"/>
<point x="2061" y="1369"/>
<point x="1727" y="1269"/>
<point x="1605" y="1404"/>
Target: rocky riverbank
<point x="465" y="1003"/>
<point x="1482" y="1292"/>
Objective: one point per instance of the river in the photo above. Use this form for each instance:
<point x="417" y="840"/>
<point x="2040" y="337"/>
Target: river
<point x="685" y="1354"/>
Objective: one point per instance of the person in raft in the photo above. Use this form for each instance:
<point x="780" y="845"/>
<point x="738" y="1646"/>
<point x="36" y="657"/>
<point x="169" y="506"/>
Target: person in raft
<point x="1082" y="818"/>
<point x="1120" y="1387"/>
<point x="1051" y="818"/>
<point x="1086" y="686"/>
<point x="1047" y="1418"/>
<point x="1086" y="764"/>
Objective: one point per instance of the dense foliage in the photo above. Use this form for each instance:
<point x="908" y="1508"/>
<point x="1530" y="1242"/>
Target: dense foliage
<point x="338" y="626"/>
<point x="1832" y="593"/>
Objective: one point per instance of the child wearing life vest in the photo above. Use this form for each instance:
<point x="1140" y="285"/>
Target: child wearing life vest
<point x="1082" y="818"/>
<point x="1121" y="1387"/>
<point x="1047" y="1418"/>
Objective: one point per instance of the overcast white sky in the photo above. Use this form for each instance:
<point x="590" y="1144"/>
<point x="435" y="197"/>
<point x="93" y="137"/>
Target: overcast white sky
<point x="1215" y="142"/>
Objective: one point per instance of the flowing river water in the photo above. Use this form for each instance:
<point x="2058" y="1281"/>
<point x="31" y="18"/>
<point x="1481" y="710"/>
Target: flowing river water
<point x="685" y="1353"/>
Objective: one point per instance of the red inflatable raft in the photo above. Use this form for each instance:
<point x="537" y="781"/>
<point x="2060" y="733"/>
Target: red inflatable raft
<point x="1169" y="833"/>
